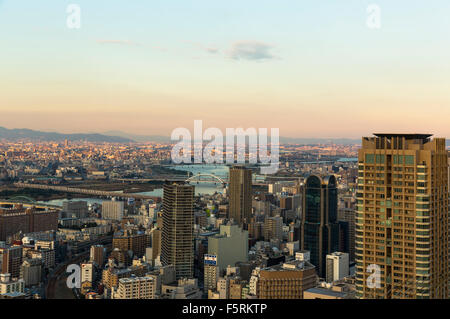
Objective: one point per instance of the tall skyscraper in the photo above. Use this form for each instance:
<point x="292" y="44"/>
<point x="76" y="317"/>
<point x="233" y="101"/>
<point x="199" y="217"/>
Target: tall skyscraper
<point x="177" y="238"/>
<point x="319" y="227"/>
<point x="240" y="194"/>
<point x="402" y="217"/>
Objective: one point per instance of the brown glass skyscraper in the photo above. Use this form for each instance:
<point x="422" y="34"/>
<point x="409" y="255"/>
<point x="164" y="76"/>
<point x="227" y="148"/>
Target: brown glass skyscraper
<point x="177" y="237"/>
<point x="240" y="191"/>
<point x="402" y="217"/>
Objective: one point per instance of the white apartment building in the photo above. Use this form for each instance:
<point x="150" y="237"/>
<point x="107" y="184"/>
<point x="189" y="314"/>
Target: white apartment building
<point x="337" y="266"/>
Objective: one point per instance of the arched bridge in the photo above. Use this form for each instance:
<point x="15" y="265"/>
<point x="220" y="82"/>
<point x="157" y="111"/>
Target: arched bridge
<point x="206" y="178"/>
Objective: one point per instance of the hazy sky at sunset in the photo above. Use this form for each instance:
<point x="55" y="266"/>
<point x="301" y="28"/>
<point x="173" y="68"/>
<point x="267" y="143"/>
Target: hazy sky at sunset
<point x="311" y="68"/>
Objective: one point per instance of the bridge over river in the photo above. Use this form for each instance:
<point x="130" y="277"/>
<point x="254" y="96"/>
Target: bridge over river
<point x="93" y="192"/>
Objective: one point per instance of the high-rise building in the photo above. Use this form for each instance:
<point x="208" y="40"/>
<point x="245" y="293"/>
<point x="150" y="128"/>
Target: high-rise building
<point x="112" y="209"/>
<point x="319" y="227"/>
<point x="240" y="194"/>
<point x="337" y="266"/>
<point x="177" y="238"/>
<point x="402" y="217"/>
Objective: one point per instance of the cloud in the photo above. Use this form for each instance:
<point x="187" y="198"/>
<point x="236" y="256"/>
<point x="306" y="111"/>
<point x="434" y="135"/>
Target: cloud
<point x="251" y="50"/>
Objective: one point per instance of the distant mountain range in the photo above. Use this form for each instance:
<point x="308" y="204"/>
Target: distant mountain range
<point x="283" y="140"/>
<point x="122" y="137"/>
<point x="21" y="134"/>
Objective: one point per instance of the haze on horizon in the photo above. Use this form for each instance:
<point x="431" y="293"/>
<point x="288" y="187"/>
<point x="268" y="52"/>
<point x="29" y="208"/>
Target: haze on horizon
<point x="146" y="67"/>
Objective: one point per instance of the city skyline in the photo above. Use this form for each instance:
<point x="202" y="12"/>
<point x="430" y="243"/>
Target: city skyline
<point x="147" y="68"/>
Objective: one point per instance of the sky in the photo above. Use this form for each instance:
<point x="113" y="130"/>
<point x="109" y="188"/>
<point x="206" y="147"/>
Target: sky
<point x="310" y="68"/>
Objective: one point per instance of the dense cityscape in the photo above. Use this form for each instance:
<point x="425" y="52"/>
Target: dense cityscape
<point x="139" y="227"/>
<point x="237" y="225"/>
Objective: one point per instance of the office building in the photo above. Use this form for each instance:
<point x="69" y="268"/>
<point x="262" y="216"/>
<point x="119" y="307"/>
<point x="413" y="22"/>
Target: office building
<point x="286" y="281"/>
<point x="319" y="226"/>
<point x="240" y="194"/>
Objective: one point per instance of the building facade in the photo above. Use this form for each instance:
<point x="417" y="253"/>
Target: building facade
<point x="240" y="194"/>
<point x="320" y="232"/>
<point x="402" y="217"/>
<point x="177" y="238"/>
<point x="337" y="266"/>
